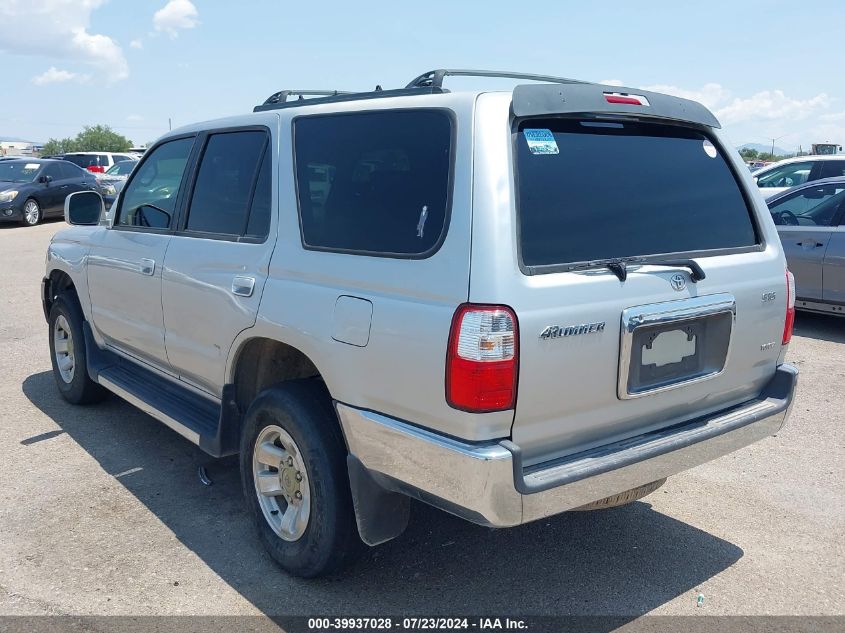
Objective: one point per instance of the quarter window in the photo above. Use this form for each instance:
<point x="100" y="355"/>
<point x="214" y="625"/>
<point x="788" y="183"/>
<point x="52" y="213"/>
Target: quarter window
<point x="375" y="182"/>
<point x="223" y="193"/>
<point x="149" y="199"/>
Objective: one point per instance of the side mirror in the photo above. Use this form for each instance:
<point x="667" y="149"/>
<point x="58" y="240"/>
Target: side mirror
<point x="45" y="179"/>
<point x="84" y="208"/>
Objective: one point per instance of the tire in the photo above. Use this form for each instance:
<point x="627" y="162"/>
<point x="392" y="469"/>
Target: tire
<point x="68" y="354"/>
<point x="293" y="425"/>
<point x="623" y="498"/>
<point x="32" y="214"/>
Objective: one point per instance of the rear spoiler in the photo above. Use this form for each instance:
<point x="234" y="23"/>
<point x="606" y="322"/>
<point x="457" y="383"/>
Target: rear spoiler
<point x="543" y="99"/>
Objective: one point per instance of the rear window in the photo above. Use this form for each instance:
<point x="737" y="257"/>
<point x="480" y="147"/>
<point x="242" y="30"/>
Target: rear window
<point x="87" y="160"/>
<point x="374" y="183"/>
<point x="593" y="190"/>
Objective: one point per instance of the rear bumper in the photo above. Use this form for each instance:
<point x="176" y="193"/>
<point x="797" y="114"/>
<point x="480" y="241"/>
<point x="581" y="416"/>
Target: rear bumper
<point x="486" y="483"/>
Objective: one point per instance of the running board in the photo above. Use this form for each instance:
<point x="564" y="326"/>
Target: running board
<point x="212" y="427"/>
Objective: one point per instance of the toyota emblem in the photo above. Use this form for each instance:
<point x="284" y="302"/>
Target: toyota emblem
<point x="678" y="281"/>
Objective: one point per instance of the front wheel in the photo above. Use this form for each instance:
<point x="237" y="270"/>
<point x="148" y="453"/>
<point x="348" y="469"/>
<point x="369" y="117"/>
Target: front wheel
<point x="293" y="469"/>
<point x="68" y="353"/>
<point x="31" y="212"/>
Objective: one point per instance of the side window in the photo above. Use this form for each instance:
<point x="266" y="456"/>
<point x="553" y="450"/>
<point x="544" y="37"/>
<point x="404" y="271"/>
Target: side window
<point x="832" y="169"/>
<point x="225" y="183"/>
<point x="814" y="206"/>
<point x="149" y="200"/>
<point x="52" y="170"/>
<point x="375" y="182"/>
<point x="69" y="170"/>
<point x="790" y="175"/>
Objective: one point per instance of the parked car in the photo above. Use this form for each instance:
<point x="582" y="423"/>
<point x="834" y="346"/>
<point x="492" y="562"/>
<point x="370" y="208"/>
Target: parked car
<point x="811" y="223"/>
<point x="112" y="181"/>
<point x="427" y="294"/>
<point x="792" y="172"/>
<point x="33" y="188"/>
<point x="97" y="162"/>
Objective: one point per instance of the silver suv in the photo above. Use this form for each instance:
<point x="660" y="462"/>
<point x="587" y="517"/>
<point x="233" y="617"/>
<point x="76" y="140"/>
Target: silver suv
<point x="504" y="304"/>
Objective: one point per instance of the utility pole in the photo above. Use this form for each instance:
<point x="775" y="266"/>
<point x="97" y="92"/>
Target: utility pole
<point x="170" y="127"/>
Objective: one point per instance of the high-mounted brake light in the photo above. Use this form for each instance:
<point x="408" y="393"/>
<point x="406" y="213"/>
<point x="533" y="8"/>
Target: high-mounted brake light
<point x="628" y="99"/>
<point x="789" y="321"/>
<point x="482" y="358"/>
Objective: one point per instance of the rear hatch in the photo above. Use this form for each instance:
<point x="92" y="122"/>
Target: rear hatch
<point x="646" y="289"/>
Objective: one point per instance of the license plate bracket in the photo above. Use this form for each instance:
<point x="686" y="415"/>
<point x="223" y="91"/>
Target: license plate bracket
<point x="668" y="345"/>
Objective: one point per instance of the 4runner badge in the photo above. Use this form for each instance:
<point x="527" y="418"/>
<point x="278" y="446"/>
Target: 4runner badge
<point x="558" y="331"/>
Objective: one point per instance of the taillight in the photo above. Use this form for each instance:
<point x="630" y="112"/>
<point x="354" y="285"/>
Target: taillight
<point x="97" y="169"/>
<point x="789" y="321"/>
<point x="481" y="362"/>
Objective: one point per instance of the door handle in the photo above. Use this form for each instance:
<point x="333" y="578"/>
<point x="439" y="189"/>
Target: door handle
<point x="810" y="244"/>
<point x="243" y="286"/>
<point x="146" y="266"/>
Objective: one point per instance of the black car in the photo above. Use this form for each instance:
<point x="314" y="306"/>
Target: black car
<point x="32" y="189"/>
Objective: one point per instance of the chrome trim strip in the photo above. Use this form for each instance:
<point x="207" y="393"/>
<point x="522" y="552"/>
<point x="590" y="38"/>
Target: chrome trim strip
<point x="147" y="408"/>
<point x="662" y="314"/>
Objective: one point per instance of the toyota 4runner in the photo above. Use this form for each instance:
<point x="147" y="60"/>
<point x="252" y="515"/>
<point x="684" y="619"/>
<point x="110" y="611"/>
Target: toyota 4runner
<point x="504" y="304"/>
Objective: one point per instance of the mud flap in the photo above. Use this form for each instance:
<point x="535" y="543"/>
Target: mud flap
<point x="381" y="514"/>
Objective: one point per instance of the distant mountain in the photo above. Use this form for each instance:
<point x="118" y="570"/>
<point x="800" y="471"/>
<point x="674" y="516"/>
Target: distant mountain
<point x="17" y="139"/>
<point x="765" y="149"/>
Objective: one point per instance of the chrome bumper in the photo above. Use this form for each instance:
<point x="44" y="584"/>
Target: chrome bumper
<point x="486" y="483"/>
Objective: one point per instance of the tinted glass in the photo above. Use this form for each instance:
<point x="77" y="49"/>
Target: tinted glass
<point x="225" y="182"/>
<point x="591" y="191"/>
<point x="790" y="175"/>
<point x="69" y="170"/>
<point x="123" y="168"/>
<point x="87" y="160"/>
<point x="832" y="169"/>
<point x="52" y="170"/>
<point x="814" y="206"/>
<point x="259" y="214"/>
<point x="149" y="200"/>
<point x="374" y="182"/>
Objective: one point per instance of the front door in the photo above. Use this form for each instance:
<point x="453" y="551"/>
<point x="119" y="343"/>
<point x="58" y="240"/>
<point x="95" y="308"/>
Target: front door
<point x="804" y="221"/>
<point x="124" y="268"/>
<point x="217" y="262"/>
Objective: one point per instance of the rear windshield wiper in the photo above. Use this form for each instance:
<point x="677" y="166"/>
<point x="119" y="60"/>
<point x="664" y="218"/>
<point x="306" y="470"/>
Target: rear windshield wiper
<point x="619" y="266"/>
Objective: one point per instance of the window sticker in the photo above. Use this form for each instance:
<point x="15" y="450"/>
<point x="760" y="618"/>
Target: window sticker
<point x="710" y="149"/>
<point x="540" y="141"/>
<point x="30" y="166"/>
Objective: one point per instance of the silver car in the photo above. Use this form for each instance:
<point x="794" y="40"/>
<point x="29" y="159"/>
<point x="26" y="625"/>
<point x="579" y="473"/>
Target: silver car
<point x="445" y="296"/>
<point x="810" y="220"/>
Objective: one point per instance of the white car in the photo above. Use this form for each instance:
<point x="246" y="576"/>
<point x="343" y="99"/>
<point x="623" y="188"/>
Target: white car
<point x="792" y="172"/>
<point x="98" y="162"/>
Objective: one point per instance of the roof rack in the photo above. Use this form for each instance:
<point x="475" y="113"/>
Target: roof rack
<point x="434" y="78"/>
<point x="282" y="95"/>
<point x="276" y="102"/>
<point x="427" y="83"/>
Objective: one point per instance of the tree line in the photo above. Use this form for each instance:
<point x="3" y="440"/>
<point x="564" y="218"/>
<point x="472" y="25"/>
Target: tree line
<point x="92" y="138"/>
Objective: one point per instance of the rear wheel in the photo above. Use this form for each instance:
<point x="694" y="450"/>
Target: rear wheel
<point x="623" y="498"/>
<point x="31" y="212"/>
<point x="293" y="469"/>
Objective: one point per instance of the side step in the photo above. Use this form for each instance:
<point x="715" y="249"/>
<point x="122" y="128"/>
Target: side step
<point x="209" y="425"/>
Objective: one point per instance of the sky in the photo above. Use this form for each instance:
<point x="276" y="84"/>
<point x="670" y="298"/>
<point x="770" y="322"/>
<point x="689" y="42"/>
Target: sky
<point x="767" y="70"/>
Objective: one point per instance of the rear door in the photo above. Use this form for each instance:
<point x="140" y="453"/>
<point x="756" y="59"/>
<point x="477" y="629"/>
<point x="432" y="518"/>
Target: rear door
<point x="217" y="262"/>
<point x="805" y="223"/>
<point x="607" y="355"/>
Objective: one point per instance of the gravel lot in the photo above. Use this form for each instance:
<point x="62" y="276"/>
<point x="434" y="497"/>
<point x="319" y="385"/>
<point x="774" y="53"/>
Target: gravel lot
<point x="102" y="512"/>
